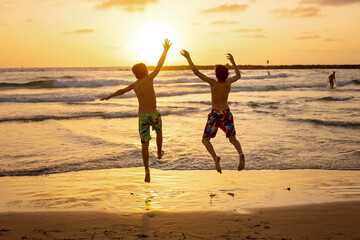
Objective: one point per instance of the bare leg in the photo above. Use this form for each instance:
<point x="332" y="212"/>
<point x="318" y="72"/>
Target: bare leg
<point x="145" y="155"/>
<point x="210" y="148"/>
<point x="237" y="145"/>
<point x="159" y="141"/>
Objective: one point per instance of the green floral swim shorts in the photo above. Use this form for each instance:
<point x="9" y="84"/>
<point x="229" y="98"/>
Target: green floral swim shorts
<point x="145" y="121"/>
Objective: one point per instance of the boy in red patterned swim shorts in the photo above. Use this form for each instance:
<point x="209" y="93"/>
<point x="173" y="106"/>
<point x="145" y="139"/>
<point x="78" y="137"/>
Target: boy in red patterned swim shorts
<point x="220" y="115"/>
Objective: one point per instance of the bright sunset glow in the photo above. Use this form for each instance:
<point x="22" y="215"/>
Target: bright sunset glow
<point x="147" y="41"/>
<point x="57" y="33"/>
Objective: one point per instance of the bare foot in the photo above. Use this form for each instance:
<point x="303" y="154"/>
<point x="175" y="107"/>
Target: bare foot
<point x="241" y="162"/>
<point x="217" y="164"/>
<point x="161" y="155"/>
<point x="147" y="176"/>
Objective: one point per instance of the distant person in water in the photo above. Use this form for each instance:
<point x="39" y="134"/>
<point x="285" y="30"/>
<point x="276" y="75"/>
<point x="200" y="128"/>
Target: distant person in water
<point x="332" y="80"/>
<point x="148" y="115"/>
<point x="220" y="115"/>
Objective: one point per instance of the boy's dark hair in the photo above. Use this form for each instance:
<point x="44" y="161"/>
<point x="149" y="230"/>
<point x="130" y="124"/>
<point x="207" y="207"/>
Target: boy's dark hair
<point x="221" y="72"/>
<point x="140" y="70"/>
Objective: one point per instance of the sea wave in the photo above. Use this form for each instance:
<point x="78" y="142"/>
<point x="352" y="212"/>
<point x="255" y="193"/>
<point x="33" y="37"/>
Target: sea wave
<point x="113" y="162"/>
<point x="259" y="104"/>
<point x="329" y="98"/>
<point x="32" y="84"/>
<point x="328" y="123"/>
<point x="68" y="81"/>
<point x="93" y="164"/>
<point x="89" y="83"/>
<point x="65" y="84"/>
<point x="77" y="95"/>
<point x="51" y="82"/>
<point x="38" y="118"/>
<point x="104" y="115"/>
<point x="266" y="88"/>
<point x="45" y="99"/>
<point x="355" y="81"/>
<point x="281" y="75"/>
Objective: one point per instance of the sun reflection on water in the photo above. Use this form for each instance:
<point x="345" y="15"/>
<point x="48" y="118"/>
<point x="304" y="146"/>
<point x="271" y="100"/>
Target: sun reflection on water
<point x="151" y="202"/>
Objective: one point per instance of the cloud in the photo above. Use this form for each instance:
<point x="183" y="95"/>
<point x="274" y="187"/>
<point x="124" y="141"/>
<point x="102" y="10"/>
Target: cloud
<point x="4" y="3"/>
<point x="308" y="33"/>
<point x="29" y="20"/>
<point x="247" y="30"/>
<point x="309" y="37"/>
<point x="227" y="8"/>
<point x="127" y="5"/>
<point x="214" y="33"/>
<point x="334" y="39"/>
<point x="224" y="22"/>
<point x="81" y="31"/>
<point x="298" y="12"/>
<point x="259" y="36"/>
<point x="331" y="2"/>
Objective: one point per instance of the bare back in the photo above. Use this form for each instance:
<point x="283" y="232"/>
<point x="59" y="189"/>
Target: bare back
<point x="144" y="89"/>
<point x="219" y="95"/>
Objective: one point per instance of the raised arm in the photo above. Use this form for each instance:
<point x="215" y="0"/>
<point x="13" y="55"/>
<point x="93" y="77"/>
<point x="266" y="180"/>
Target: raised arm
<point x="203" y="77"/>
<point x="119" y="92"/>
<point x="161" y="61"/>
<point x="237" y="72"/>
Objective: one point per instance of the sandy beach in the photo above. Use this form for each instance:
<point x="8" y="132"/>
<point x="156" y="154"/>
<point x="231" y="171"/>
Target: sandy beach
<point x="317" y="221"/>
<point x="117" y="204"/>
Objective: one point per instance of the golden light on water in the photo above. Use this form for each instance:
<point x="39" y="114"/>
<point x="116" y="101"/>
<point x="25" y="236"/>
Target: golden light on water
<point x="123" y="190"/>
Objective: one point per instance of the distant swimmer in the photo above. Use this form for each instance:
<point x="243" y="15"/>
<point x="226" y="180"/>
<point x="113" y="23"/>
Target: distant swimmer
<point x="220" y="116"/>
<point x="148" y="114"/>
<point x="332" y="81"/>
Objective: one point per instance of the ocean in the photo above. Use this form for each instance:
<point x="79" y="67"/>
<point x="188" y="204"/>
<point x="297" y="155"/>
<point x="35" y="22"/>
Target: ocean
<point x="52" y="121"/>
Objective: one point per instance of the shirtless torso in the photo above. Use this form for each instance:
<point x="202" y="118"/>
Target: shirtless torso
<point x="219" y="95"/>
<point x="144" y="89"/>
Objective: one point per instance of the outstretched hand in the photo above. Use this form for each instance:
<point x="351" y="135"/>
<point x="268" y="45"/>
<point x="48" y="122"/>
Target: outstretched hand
<point x="185" y="53"/>
<point x="105" y="98"/>
<point x="166" y="44"/>
<point x="230" y="57"/>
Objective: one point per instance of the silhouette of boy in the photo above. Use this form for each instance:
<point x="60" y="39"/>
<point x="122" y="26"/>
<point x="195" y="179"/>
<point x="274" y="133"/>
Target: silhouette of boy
<point x="220" y="115"/>
<point x="332" y="80"/>
<point x="148" y="114"/>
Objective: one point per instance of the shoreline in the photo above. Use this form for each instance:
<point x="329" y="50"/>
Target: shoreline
<point x="164" y="169"/>
<point x="124" y="189"/>
<point x="313" y="221"/>
<point x="187" y="204"/>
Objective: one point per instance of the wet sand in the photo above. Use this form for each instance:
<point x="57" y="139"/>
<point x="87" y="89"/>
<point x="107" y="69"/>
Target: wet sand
<point x="117" y="204"/>
<point x="317" y="221"/>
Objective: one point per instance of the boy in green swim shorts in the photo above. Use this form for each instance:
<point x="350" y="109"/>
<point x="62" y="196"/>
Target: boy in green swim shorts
<point x="148" y="115"/>
<point x="220" y="116"/>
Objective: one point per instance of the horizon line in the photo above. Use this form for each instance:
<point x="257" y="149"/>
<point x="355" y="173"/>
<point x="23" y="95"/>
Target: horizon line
<point x="205" y="67"/>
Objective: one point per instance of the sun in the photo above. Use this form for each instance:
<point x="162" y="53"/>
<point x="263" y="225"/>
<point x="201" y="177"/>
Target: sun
<point x="147" y="41"/>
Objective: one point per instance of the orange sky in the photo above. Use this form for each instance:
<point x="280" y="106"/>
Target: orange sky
<point x="54" y="33"/>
